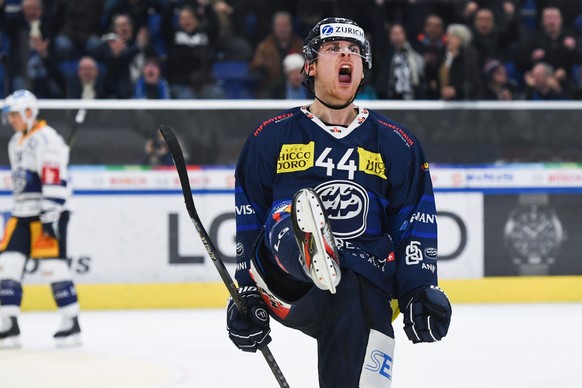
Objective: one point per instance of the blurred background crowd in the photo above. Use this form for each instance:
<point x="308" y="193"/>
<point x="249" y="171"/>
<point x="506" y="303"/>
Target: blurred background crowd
<point x="239" y="49"/>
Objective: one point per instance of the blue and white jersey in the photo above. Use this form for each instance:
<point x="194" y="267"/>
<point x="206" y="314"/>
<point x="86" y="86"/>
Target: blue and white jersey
<point x="39" y="162"/>
<point x="373" y="179"/>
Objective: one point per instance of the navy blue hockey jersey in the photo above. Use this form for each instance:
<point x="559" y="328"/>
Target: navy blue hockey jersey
<point x="374" y="182"/>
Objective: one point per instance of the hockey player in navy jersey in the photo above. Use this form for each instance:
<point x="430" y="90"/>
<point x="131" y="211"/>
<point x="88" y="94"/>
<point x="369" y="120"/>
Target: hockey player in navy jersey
<point x="39" y="160"/>
<point x="335" y="219"/>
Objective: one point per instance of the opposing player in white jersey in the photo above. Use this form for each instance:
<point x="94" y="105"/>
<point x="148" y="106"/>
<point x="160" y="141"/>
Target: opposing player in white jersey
<point x="37" y="229"/>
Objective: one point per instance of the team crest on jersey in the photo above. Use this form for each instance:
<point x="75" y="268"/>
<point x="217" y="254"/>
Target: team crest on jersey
<point x="295" y="157"/>
<point x="18" y="181"/>
<point x="347" y="205"/>
<point x="371" y="163"/>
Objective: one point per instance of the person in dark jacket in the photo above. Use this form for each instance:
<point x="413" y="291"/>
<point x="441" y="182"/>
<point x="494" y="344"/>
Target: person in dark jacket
<point x="189" y="45"/>
<point x="459" y="74"/>
<point x="401" y="74"/>
<point x="122" y="55"/>
<point x="28" y="31"/>
<point x="79" y="27"/>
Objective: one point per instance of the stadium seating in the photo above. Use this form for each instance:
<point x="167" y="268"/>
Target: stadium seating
<point x="235" y="78"/>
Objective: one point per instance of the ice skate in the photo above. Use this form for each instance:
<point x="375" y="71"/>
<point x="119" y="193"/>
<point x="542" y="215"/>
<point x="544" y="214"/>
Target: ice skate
<point x="9" y="333"/>
<point x="315" y="239"/>
<point x="69" y="333"/>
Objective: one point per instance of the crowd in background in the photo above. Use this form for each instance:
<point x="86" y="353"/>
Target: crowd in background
<point x="211" y="49"/>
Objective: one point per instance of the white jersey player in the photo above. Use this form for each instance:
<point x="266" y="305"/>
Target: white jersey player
<point x="37" y="229"/>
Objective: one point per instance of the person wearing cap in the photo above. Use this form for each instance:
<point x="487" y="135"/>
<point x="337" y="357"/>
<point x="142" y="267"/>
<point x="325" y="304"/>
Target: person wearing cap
<point x="336" y="227"/>
<point x="498" y="86"/>
<point x="293" y="69"/>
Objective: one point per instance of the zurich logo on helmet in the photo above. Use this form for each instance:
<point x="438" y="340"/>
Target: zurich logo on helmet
<point x="326" y="30"/>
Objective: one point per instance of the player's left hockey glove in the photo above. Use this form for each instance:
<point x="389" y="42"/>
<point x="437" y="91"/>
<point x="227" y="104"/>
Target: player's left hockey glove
<point x="50" y="223"/>
<point x="249" y="331"/>
<point x="427" y="315"/>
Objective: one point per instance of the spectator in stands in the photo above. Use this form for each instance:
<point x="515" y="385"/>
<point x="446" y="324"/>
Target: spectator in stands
<point x="497" y="84"/>
<point x="570" y="10"/>
<point x="232" y="43"/>
<point x="413" y="14"/>
<point x="293" y="69"/>
<point x="493" y="38"/>
<point x="87" y="83"/>
<point x="401" y="75"/>
<point x="252" y="19"/>
<point x="190" y="51"/>
<point x="79" y="23"/>
<point x="151" y="85"/>
<point x="268" y="58"/>
<point x="554" y="45"/>
<point x="541" y="83"/>
<point x="156" y="152"/>
<point x="122" y="56"/>
<point x="459" y="74"/>
<point x="138" y="10"/>
<point x="27" y="30"/>
<point x="431" y="44"/>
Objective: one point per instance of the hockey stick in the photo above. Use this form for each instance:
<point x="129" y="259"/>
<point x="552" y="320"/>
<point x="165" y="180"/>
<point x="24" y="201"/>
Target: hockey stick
<point x="178" y="156"/>
<point x="79" y="119"/>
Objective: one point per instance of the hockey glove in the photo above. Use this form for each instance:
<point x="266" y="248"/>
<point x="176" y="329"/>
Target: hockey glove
<point x="427" y="315"/>
<point x="249" y="331"/>
<point x="50" y="223"/>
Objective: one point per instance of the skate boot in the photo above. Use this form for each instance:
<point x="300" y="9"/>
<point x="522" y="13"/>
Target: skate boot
<point x="313" y="233"/>
<point x="9" y="333"/>
<point x="68" y="334"/>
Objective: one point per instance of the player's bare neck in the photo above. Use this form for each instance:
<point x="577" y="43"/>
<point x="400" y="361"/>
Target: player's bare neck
<point x="341" y="117"/>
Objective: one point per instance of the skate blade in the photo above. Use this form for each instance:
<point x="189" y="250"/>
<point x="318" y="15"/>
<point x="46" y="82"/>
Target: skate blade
<point x="71" y="341"/>
<point x="10" y="343"/>
<point x="324" y="271"/>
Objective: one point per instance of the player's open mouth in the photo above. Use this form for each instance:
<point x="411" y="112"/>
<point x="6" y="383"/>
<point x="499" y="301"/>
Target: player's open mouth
<point x="345" y="74"/>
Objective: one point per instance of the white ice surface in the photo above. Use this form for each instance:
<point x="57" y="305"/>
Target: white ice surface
<point x="489" y="346"/>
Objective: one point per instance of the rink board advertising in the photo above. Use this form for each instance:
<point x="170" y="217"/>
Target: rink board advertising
<point x="129" y="226"/>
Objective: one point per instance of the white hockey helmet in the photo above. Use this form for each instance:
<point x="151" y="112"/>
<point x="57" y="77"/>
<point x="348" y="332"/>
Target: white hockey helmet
<point x="20" y="101"/>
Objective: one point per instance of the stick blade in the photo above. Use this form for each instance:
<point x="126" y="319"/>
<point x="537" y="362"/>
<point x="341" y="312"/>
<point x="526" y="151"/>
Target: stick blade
<point x="180" y="163"/>
<point x="171" y="140"/>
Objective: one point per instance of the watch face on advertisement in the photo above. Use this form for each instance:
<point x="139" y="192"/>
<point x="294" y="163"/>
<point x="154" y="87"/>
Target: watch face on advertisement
<point x="533" y="234"/>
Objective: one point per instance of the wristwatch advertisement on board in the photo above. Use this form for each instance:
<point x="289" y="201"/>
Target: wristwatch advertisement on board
<point x="533" y="235"/>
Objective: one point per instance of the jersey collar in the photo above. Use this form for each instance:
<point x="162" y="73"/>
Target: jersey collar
<point x="337" y="131"/>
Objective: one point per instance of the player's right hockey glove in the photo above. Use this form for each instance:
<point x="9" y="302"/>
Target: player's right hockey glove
<point x="50" y="223"/>
<point x="249" y="331"/>
<point x="427" y="315"/>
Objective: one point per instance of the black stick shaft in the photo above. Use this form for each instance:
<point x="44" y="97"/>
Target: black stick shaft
<point x="178" y="156"/>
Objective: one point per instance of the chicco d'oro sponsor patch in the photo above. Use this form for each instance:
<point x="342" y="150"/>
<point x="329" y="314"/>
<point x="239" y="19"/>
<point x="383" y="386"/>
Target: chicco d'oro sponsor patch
<point x="295" y="157"/>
